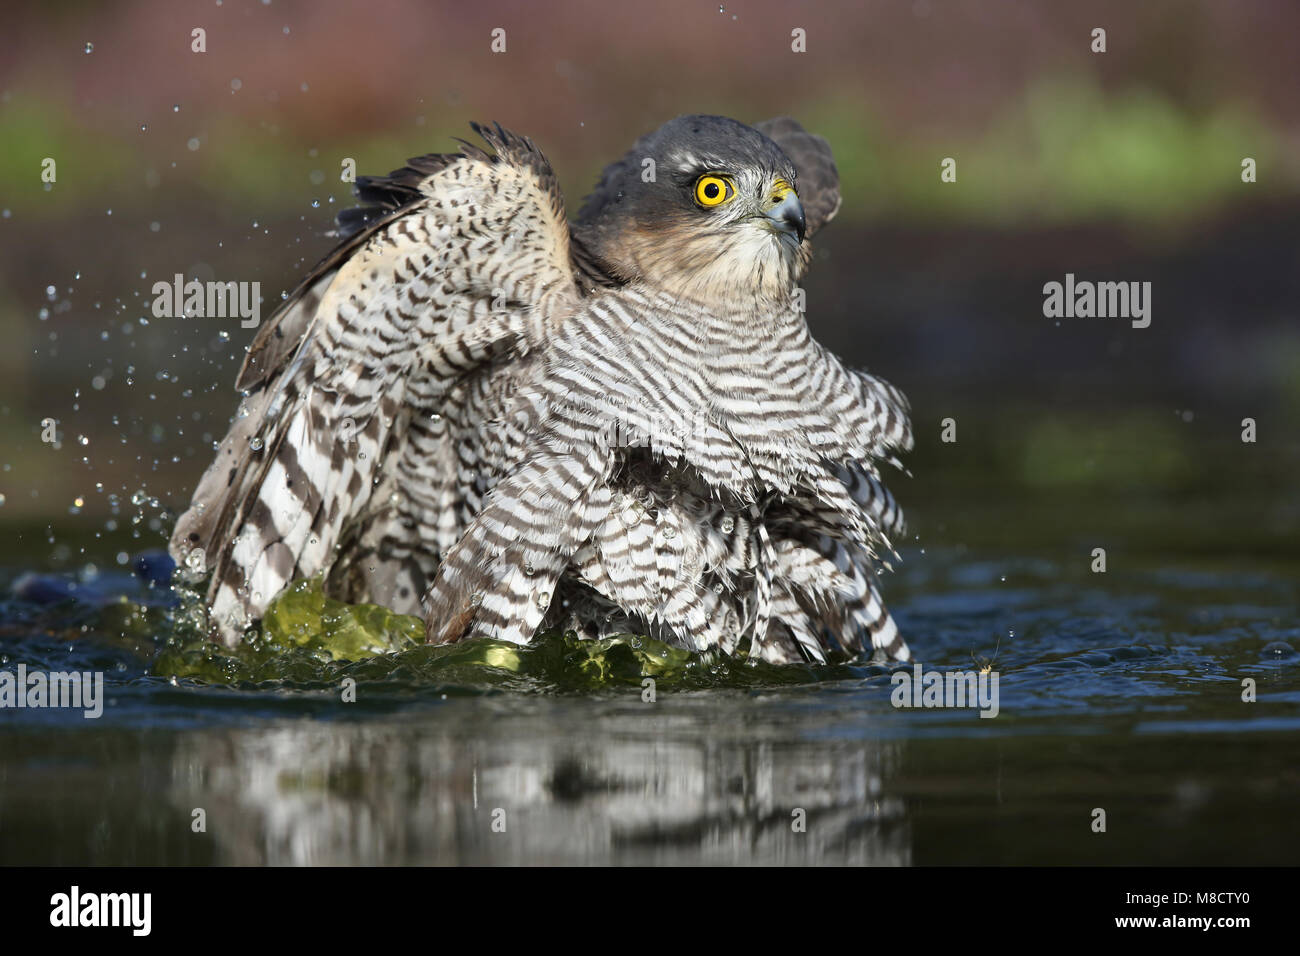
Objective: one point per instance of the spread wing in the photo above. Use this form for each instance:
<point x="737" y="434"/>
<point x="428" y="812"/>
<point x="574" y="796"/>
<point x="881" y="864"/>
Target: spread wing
<point x="451" y="263"/>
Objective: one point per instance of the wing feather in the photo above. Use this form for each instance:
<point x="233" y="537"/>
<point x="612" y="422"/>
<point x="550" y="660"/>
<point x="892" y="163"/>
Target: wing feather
<point x="449" y="264"/>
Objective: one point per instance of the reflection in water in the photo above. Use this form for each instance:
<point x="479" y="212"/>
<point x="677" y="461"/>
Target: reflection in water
<point x="638" y="789"/>
<point x="1126" y="696"/>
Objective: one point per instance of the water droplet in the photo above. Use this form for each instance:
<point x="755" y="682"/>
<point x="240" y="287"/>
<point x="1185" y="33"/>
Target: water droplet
<point x="90" y="47"/>
<point x="1277" y="650"/>
<point x="543" y="599"/>
<point x="529" y="569"/>
<point x="670" y="532"/>
<point x="728" y="524"/>
<point x="256" y="443"/>
<point x="476" y="598"/>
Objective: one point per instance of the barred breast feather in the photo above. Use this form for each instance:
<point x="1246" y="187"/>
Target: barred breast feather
<point x="691" y="423"/>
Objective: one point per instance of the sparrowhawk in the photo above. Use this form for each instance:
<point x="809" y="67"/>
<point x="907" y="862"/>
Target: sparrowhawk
<point x="479" y="412"/>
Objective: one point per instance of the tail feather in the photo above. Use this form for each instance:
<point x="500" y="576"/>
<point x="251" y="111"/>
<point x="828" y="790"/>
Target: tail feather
<point x="857" y="616"/>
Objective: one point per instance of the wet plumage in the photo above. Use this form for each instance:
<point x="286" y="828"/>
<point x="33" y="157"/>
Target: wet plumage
<point x="477" y="412"/>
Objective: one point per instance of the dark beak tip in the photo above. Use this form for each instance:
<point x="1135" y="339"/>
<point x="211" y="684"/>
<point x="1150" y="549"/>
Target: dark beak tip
<point x="798" y="221"/>
<point x="788" y="215"/>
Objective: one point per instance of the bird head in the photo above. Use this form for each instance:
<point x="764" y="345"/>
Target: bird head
<point x="704" y="207"/>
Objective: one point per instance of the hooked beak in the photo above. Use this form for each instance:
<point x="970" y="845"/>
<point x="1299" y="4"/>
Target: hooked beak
<point x="787" y="215"/>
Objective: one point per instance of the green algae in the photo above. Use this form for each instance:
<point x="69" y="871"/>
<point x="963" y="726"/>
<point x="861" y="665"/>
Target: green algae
<point x="311" y="640"/>
<point x="304" y="617"/>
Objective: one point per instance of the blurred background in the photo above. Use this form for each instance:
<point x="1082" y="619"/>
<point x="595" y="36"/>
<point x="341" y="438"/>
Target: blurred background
<point x="1122" y="165"/>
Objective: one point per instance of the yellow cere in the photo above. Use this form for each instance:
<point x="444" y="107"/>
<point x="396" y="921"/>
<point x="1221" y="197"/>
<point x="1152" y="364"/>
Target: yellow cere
<point x="781" y="189"/>
<point x="713" y="190"/>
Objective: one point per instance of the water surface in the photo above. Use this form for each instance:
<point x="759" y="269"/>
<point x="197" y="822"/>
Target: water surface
<point x="1120" y="692"/>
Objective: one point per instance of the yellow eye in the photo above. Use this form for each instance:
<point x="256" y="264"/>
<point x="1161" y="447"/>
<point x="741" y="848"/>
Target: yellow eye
<point x="713" y="190"/>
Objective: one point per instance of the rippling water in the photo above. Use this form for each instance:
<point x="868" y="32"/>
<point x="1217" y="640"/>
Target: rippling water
<point x="1119" y="692"/>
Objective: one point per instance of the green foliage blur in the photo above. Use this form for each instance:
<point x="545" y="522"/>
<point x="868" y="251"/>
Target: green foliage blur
<point x="1125" y="164"/>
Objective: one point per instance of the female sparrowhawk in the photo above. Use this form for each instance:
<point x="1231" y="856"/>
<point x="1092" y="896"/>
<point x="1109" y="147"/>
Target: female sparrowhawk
<point x="477" y="411"/>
